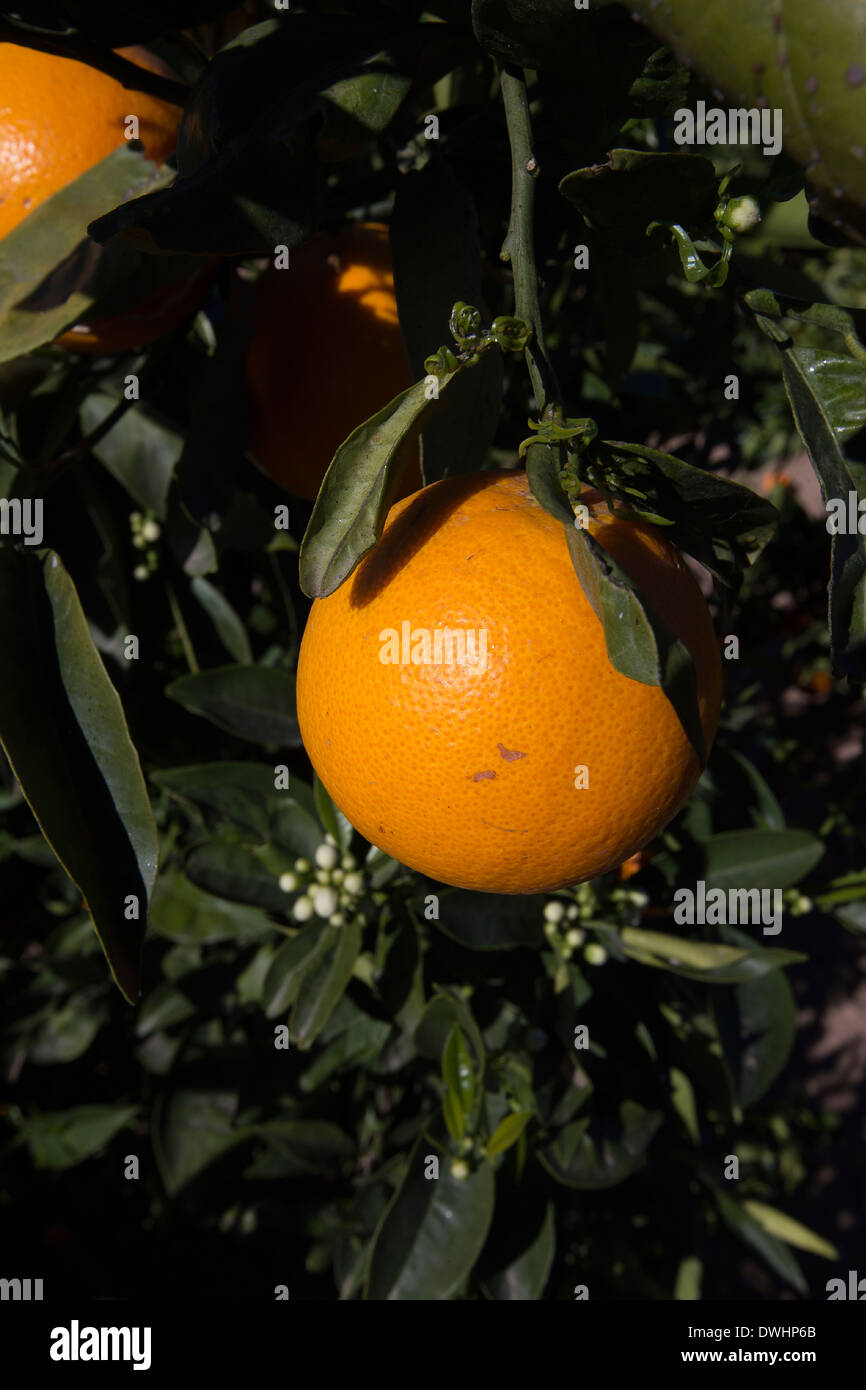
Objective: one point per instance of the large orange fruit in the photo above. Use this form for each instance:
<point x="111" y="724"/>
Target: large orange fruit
<point x="326" y="354"/>
<point x="466" y="772"/>
<point x="59" y="117"/>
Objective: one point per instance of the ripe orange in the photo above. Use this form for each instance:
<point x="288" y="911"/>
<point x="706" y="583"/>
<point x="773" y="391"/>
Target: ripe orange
<point x="59" y="117"/>
<point x="466" y="773"/>
<point x="326" y="354"/>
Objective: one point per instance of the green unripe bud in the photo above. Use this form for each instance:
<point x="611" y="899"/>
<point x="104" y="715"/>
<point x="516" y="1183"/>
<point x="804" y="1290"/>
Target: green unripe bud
<point x="595" y="954"/>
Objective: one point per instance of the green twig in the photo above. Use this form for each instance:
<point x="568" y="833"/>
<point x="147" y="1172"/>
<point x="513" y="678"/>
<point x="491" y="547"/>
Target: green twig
<point x="183" y="633"/>
<point x="518" y="246"/>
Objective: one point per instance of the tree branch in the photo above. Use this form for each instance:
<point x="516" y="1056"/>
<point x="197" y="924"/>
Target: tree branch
<point x="518" y="245"/>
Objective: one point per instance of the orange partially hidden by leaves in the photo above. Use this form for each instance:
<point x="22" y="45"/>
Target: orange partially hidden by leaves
<point x="161" y="312"/>
<point x="472" y="772"/>
<point x="633" y="865"/>
<point x="59" y="117"/>
<point x="326" y="354"/>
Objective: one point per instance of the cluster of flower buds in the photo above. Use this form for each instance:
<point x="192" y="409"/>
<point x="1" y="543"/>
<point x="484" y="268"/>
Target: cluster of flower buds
<point x="330" y="886"/>
<point x="146" y="531"/>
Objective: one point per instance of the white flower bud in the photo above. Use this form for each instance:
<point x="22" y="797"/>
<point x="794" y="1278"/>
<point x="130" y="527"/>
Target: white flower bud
<point x="325" y="902"/>
<point x="326" y="856"/>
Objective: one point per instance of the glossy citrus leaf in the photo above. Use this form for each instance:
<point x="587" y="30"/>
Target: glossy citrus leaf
<point x="525" y="1277"/>
<point x="253" y="702"/>
<point x="826" y="389"/>
<point x="191" y="1129"/>
<point x="81" y="775"/>
<point x="432" y="1232"/>
<point x="60" y="1139"/>
<point x="639" y="644"/>
<point x="704" y="960"/>
<point x="360" y="486"/>
<point x="322" y="987"/>
<point x="597" y="1152"/>
<point x="759" y="858"/>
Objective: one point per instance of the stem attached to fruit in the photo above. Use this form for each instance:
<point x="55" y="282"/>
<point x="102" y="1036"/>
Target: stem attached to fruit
<point x="518" y="248"/>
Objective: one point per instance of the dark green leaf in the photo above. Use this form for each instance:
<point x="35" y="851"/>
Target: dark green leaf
<point x="49" y="274"/>
<point x="723" y="525"/>
<point x="292" y="962"/>
<point x="595" y="1153"/>
<point x="639" y="644"/>
<point x="245" y="794"/>
<point x="826" y="389"/>
<point x="228" y="625"/>
<point x="247" y="168"/>
<point x="431" y="1234"/>
<point x="183" y="912"/>
<point x="759" y="858"/>
<point x="68" y="1031"/>
<point x="543" y="465"/>
<point x="162" y="1008"/>
<point x="299" y="1147"/>
<point x="81" y="775"/>
<point x="331" y="816"/>
<point x="190" y="1130"/>
<point x="525" y="1277"/>
<point x="492" y="921"/>
<point x="359" y="487"/>
<point x="139" y="451"/>
<point x="633" y="188"/>
<point x="253" y="702"/>
<point x="768" y="813"/>
<point x="238" y="873"/>
<point x="63" y="1138"/>
<point x="703" y="960"/>
<point x="757" y="1025"/>
<point x="435" y="1025"/>
<point x="322" y="988"/>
